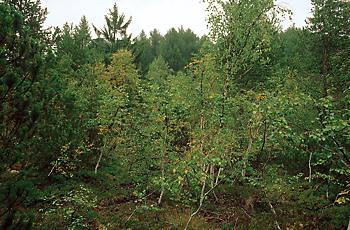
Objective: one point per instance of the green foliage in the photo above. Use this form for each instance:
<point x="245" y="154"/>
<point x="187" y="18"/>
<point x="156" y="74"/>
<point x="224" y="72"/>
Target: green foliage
<point x="115" y="30"/>
<point x="252" y="122"/>
<point x="144" y="52"/>
<point x="177" y="47"/>
<point x="76" y="43"/>
<point x="21" y="60"/>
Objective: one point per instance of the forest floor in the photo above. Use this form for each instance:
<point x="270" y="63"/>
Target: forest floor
<point x="82" y="206"/>
<point x="102" y="202"/>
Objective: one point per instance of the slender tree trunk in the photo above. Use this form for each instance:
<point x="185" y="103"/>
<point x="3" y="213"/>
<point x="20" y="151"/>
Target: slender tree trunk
<point x="218" y="176"/>
<point x="53" y="168"/>
<point x="310" y="167"/>
<point x="223" y="105"/>
<point x="202" y="114"/>
<point x="201" y="199"/>
<point x="163" y="173"/>
<point x="275" y="214"/>
<point x="161" y="195"/>
<point x="164" y="150"/>
<point x="325" y="66"/>
<point x="249" y="149"/>
<point x="212" y="175"/>
<point x="98" y="162"/>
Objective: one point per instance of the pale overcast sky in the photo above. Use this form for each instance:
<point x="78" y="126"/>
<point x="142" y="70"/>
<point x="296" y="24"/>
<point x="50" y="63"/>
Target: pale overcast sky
<point x="150" y="14"/>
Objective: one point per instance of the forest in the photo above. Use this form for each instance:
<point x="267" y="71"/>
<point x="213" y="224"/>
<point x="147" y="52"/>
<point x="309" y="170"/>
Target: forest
<point x="247" y="127"/>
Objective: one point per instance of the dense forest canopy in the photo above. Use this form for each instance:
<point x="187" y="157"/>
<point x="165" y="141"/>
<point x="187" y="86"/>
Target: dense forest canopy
<point x="244" y="128"/>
